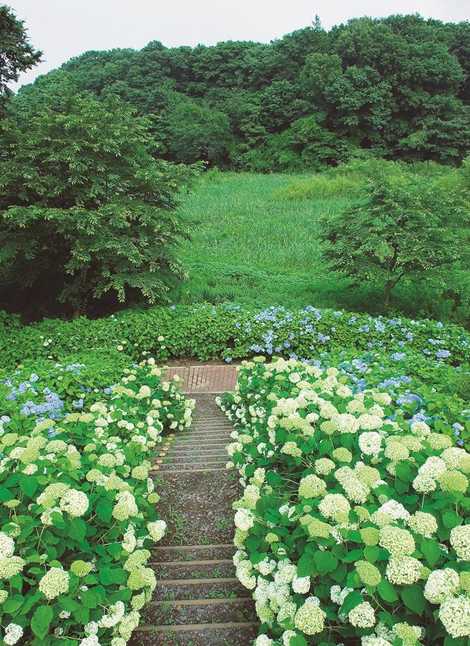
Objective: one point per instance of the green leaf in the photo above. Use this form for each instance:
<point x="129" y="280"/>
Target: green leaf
<point x="29" y="485"/>
<point x="306" y="565"/>
<point x="5" y="494"/>
<point x="450" y="519"/>
<point x="104" y="510"/>
<point x="371" y="553"/>
<point x="41" y="621"/>
<point x="108" y="576"/>
<point x="325" y="562"/>
<point x="353" y="556"/>
<point x="413" y="599"/>
<point x="353" y="599"/>
<point x="12" y="604"/>
<point x="298" y="640"/>
<point x="431" y="551"/>
<point x="78" y="529"/>
<point x="405" y="471"/>
<point x="387" y="591"/>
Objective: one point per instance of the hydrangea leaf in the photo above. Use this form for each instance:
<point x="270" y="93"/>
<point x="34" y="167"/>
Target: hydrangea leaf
<point x="41" y="621"/>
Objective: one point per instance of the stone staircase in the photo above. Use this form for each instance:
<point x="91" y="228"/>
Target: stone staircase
<point x="198" y="600"/>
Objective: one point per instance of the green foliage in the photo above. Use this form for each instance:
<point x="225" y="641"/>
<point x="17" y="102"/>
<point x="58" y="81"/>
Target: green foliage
<point x="425" y="359"/>
<point x="343" y="524"/>
<point x="16" y="53"/>
<point x="396" y="86"/>
<point x="78" y="512"/>
<point x="276" y="220"/>
<point x="404" y="226"/>
<point x="86" y="212"/>
<point x="194" y="132"/>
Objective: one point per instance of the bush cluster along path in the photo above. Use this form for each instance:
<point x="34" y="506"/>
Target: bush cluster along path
<point x="198" y="600"/>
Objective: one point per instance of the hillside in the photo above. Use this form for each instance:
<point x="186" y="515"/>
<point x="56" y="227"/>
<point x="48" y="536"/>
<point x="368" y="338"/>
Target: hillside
<point x="397" y="87"/>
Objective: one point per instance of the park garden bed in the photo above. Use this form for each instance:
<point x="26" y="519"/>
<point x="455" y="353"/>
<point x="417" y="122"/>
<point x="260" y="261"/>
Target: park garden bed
<point x="78" y="511"/>
<point x="353" y="525"/>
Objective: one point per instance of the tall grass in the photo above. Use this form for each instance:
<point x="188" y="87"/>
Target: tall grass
<point x="256" y="241"/>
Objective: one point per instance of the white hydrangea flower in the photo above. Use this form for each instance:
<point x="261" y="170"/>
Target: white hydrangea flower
<point x="370" y="422"/>
<point x="424" y="483"/>
<point x="403" y="570"/>
<point x="301" y="585"/>
<point x="394" y="509"/>
<point x="156" y="529"/>
<point x="370" y="443"/>
<point x="113" y="616"/>
<point x="362" y="616"/>
<point x="286" y="572"/>
<point x="441" y="584"/>
<point x="460" y="541"/>
<point x="372" y="640"/>
<point x="13" y="633"/>
<point x="310" y="618"/>
<point x="420" y="429"/>
<point x="423" y="523"/>
<point x="90" y="641"/>
<point x="91" y="628"/>
<point x="433" y="467"/>
<point x="338" y="594"/>
<point x="74" y="502"/>
<point x="455" y="615"/>
<point x="333" y="505"/>
<point x="54" y="583"/>
<point x="286" y="637"/>
<point x="263" y="640"/>
<point x="7" y="545"/>
<point x="244" y="519"/>
<point x="129" y="540"/>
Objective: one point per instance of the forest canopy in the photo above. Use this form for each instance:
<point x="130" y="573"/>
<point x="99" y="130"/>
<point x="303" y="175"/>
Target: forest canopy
<point x="395" y="87"/>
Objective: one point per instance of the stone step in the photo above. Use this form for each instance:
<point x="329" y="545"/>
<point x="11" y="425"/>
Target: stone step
<point x="200" y="446"/>
<point x="176" y="589"/>
<point x="211" y="426"/>
<point x="204" y="611"/>
<point x="216" y="432"/>
<point x="208" y="430"/>
<point x="208" y="470"/>
<point x="212" y="634"/>
<point x="210" y="568"/>
<point x="169" y="467"/>
<point x="204" y="442"/>
<point x="199" y="457"/>
<point x="185" y="553"/>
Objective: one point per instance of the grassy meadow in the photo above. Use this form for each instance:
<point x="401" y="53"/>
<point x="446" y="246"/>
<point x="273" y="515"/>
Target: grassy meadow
<point x="256" y="242"/>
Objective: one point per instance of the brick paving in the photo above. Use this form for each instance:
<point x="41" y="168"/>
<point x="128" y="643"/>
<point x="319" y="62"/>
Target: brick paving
<point x="205" y="378"/>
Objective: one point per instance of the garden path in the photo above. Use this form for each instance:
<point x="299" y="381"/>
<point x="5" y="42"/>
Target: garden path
<point x="198" y="600"/>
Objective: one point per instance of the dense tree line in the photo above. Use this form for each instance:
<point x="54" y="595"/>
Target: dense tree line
<point x="397" y="87"/>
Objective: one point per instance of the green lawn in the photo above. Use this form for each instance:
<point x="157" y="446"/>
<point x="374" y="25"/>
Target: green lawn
<point x="256" y="242"/>
<point x="254" y="245"/>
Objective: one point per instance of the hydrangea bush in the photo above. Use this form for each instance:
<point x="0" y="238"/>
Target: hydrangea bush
<point x="234" y="332"/>
<point x="78" y="514"/>
<point x="353" y="524"/>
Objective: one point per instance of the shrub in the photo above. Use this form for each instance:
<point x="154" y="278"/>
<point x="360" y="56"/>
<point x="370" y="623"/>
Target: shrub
<point x="404" y="226"/>
<point x="86" y="212"/>
<point x="235" y="332"/>
<point x="55" y="388"/>
<point x="352" y="524"/>
<point x="78" y="513"/>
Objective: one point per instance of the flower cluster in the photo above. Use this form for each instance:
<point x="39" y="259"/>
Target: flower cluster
<point x="351" y="502"/>
<point x="78" y="513"/>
